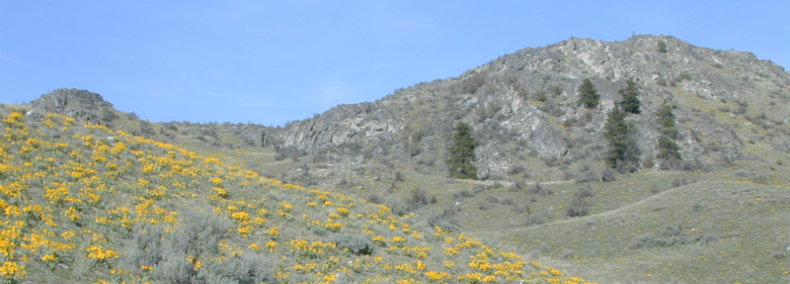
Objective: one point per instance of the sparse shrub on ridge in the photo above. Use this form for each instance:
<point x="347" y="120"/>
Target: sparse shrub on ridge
<point x="473" y="83"/>
<point x="661" y="46"/>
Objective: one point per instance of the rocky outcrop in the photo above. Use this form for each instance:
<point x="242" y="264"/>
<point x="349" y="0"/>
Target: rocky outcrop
<point x="78" y="104"/>
<point x="342" y="124"/>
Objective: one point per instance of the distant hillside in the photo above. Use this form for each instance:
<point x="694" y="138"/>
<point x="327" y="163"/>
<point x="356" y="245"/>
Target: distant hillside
<point x="84" y="203"/>
<point x="524" y="110"/>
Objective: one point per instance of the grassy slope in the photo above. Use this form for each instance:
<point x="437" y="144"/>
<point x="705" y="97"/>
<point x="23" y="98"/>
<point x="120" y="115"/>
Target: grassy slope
<point x="720" y="231"/>
<point x="724" y="226"/>
<point x="89" y="204"/>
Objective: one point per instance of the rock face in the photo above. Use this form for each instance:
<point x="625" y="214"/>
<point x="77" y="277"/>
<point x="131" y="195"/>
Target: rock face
<point x="341" y="125"/>
<point x="78" y="104"/>
<point x="524" y="113"/>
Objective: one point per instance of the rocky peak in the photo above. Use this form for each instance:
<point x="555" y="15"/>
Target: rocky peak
<point x="78" y="104"/>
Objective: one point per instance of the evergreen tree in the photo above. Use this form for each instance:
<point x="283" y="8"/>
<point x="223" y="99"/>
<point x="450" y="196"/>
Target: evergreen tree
<point x="623" y="153"/>
<point x="666" y="119"/>
<point x="462" y="153"/>
<point x="668" y="150"/>
<point x="630" y="95"/>
<point x="589" y="96"/>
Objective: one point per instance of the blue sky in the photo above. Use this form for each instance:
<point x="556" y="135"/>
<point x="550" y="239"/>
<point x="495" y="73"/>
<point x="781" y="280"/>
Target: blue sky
<point x="274" y="61"/>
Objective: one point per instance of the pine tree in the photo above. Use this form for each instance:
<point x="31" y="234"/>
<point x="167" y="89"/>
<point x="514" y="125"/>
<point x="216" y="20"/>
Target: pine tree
<point x="462" y="153"/>
<point x="630" y="95"/>
<point x="666" y="119"/>
<point x="668" y="150"/>
<point x="589" y="96"/>
<point x="623" y="153"/>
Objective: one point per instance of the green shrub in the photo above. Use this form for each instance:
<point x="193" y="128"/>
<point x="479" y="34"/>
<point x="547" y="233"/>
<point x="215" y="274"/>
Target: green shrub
<point x="661" y="46"/>
<point x="473" y="83"/>
<point x="354" y="243"/>
<point x="580" y="206"/>
<point x="608" y="174"/>
<point x="419" y="198"/>
<point x="540" y="190"/>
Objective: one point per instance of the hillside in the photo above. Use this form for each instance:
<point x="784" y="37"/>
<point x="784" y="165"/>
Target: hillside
<point x="524" y="110"/>
<point x="84" y="203"/>
<point x="368" y="183"/>
<point x="717" y="231"/>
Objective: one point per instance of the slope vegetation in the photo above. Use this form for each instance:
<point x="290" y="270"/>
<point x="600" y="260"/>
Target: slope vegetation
<point x="84" y="203"/>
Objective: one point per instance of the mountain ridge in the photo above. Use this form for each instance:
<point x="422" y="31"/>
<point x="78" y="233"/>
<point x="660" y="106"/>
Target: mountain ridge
<point x="530" y="96"/>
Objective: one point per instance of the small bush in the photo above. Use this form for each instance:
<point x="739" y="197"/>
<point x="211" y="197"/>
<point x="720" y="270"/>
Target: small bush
<point x="540" y="95"/>
<point x="585" y="174"/>
<point x="678" y="182"/>
<point x="556" y="90"/>
<point x="519" y="185"/>
<point x="535" y="219"/>
<point x="583" y="192"/>
<point x="672" y="235"/>
<point x="397" y="207"/>
<point x="520" y="208"/>
<point x="462" y="194"/>
<point x="515" y="170"/>
<point x="375" y="198"/>
<point x="661" y="46"/>
<point x="354" y="243"/>
<point x="539" y="190"/>
<point x="419" y="198"/>
<point x="683" y="76"/>
<point x="442" y="220"/>
<point x="248" y="267"/>
<point x="551" y="108"/>
<point x="473" y="83"/>
<point x="581" y="203"/>
<point x="608" y="174"/>
<point x="760" y="179"/>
